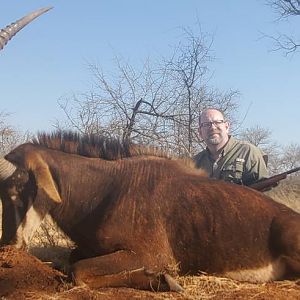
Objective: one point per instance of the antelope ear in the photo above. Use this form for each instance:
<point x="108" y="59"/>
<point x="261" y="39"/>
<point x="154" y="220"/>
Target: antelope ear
<point x="43" y="176"/>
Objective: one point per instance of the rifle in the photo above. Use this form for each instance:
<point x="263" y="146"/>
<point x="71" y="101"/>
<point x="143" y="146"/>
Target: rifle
<point x="268" y="183"/>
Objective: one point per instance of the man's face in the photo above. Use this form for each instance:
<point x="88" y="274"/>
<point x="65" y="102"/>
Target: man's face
<point x="213" y="129"/>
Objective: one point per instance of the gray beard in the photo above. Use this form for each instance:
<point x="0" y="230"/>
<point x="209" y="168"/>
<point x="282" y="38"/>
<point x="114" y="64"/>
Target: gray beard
<point x="214" y="141"/>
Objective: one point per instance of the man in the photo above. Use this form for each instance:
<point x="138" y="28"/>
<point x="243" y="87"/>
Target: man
<point x="225" y="157"/>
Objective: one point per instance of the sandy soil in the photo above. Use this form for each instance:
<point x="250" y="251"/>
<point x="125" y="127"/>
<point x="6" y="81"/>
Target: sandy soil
<point x="23" y="276"/>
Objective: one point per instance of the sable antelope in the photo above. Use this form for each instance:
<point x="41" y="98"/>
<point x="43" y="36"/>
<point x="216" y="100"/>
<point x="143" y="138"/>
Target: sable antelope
<point x="139" y="220"/>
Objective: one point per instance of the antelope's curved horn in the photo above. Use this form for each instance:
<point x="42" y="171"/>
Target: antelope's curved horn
<point x="9" y="31"/>
<point x="6" y="169"/>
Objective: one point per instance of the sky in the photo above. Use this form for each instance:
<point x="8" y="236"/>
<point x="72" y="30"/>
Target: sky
<point x="48" y="59"/>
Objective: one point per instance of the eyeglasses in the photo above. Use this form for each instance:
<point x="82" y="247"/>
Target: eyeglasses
<point x="217" y="123"/>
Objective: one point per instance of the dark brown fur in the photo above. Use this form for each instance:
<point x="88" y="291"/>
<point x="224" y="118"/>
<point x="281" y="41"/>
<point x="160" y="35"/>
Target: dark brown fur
<point x="133" y="219"/>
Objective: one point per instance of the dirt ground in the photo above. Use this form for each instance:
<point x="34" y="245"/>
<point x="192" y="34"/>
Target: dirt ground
<point x="23" y="276"/>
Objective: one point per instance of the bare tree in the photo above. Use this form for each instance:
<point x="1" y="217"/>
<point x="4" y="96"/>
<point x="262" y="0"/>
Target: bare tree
<point x="257" y="135"/>
<point x="291" y="157"/>
<point x="189" y="73"/>
<point x="287" y="158"/>
<point x="262" y="138"/>
<point x="280" y="158"/>
<point x="128" y="104"/>
<point x="10" y="136"/>
<point x="156" y="104"/>
<point x="285" y="9"/>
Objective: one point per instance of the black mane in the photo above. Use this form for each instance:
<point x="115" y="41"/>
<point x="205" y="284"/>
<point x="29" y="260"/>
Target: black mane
<point x="92" y="145"/>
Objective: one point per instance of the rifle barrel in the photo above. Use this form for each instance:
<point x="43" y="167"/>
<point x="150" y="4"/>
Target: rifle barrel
<point x="293" y="170"/>
<point x="269" y="182"/>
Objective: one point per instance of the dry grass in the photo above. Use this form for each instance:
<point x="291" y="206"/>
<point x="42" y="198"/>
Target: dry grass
<point x="206" y="287"/>
<point x="212" y="287"/>
<point x="195" y="287"/>
<point x="287" y="192"/>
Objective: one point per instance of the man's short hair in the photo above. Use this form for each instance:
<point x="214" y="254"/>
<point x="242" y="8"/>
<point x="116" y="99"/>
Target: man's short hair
<point x="210" y="108"/>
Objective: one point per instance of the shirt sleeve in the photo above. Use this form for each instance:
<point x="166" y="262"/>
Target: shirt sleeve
<point x="256" y="165"/>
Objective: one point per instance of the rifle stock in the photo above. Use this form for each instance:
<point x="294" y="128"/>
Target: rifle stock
<point x="268" y="183"/>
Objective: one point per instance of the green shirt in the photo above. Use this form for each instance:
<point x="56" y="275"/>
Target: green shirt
<point x="239" y="162"/>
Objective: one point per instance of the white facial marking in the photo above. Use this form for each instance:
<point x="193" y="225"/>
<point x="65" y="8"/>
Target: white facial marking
<point x="19" y="240"/>
<point x="27" y="228"/>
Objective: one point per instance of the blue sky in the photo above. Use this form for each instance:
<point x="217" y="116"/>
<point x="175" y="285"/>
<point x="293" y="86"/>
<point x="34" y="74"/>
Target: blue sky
<point x="47" y="60"/>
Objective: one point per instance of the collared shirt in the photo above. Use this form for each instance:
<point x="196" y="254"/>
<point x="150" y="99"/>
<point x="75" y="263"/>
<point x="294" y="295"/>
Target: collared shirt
<point x="239" y="162"/>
